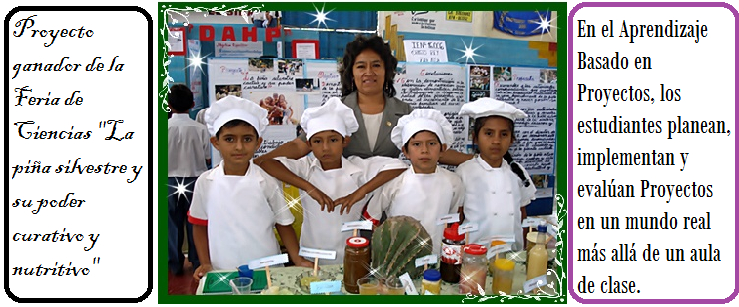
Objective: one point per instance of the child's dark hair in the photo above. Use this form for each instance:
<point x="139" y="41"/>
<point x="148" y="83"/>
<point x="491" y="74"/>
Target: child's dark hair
<point x="414" y="135"/>
<point x="353" y="49"/>
<point x="235" y="123"/>
<point x="180" y="98"/>
<point x="515" y="167"/>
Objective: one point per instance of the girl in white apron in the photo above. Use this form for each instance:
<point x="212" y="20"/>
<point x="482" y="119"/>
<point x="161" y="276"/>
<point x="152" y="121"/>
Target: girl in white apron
<point x="425" y="191"/>
<point x="497" y="189"/>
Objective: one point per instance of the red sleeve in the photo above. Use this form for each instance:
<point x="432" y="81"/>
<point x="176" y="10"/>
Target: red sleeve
<point x="367" y="217"/>
<point x="196" y="221"/>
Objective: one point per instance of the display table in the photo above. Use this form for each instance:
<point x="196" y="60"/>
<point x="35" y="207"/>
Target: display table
<point x="288" y="277"/>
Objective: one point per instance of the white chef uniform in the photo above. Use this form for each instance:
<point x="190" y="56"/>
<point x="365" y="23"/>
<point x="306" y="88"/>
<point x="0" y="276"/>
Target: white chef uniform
<point x="322" y="229"/>
<point x="493" y="200"/>
<point x="494" y="196"/>
<point x="240" y="211"/>
<point x="425" y="197"/>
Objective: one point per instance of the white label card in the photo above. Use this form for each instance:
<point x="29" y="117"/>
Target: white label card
<point x="430" y="259"/>
<point x="494" y="250"/>
<point x="410" y="288"/>
<point x="325" y="287"/>
<point x="366" y="225"/>
<point x="467" y="228"/>
<point x="535" y="283"/>
<point x="271" y="260"/>
<point x="531" y="222"/>
<point x="449" y="218"/>
<point x="317" y="253"/>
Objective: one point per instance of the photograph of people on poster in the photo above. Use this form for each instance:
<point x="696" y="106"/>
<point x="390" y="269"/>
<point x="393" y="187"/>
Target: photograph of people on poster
<point x="262" y="65"/>
<point x="228" y="89"/>
<point x="502" y="73"/>
<point x="290" y="67"/>
<point x="283" y="108"/>
<point x="548" y="76"/>
<point x="306" y="84"/>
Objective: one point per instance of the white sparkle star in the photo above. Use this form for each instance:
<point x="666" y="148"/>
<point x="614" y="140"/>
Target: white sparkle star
<point x="181" y="188"/>
<point x="469" y="52"/>
<point x="196" y="61"/>
<point x="545" y="25"/>
<point x="321" y="17"/>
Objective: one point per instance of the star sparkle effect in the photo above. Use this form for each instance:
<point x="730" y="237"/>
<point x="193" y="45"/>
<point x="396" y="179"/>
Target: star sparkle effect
<point x="545" y="25"/>
<point x="320" y="16"/>
<point x="181" y="188"/>
<point x="469" y="52"/>
<point x="196" y="61"/>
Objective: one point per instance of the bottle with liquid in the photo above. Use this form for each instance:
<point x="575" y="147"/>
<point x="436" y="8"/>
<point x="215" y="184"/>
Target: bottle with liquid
<point x="356" y="262"/>
<point x="451" y="254"/>
<point x="536" y="264"/>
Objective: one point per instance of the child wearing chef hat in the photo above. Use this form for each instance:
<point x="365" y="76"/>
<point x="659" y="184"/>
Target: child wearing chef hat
<point x="425" y="191"/>
<point x="236" y="204"/>
<point x="497" y="189"/>
<point x="327" y="175"/>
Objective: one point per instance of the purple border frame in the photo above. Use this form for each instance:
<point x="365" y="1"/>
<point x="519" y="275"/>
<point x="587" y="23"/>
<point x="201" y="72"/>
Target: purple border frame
<point x="570" y="147"/>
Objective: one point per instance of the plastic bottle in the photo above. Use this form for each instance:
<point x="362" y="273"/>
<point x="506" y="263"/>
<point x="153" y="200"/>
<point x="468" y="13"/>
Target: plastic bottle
<point x="536" y="264"/>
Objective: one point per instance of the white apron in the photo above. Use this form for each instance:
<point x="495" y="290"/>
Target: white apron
<point x="425" y="197"/>
<point x="322" y="229"/>
<point x="490" y="203"/>
<point x="240" y="222"/>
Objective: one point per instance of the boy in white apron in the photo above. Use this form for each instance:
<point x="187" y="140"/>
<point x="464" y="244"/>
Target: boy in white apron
<point x="326" y="175"/>
<point x="425" y="191"/>
<point x="497" y="189"/>
<point x="236" y="204"/>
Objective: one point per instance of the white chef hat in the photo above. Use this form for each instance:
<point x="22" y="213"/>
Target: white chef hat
<point x="419" y="120"/>
<point x="232" y="107"/>
<point x="333" y="115"/>
<point x="485" y="106"/>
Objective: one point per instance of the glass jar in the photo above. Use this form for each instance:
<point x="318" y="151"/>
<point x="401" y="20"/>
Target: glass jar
<point x="356" y="262"/>
<point x="499" y="255"/>
<point x="503" y="276"/>
<point x="474" y="269"/>
<point x="431" y="282"/>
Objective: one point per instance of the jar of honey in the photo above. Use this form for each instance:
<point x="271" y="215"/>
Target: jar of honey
<point x="356" y="262"/>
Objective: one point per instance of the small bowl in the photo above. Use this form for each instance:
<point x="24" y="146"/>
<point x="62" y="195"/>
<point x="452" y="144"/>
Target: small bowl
<point x="307" y="277"/>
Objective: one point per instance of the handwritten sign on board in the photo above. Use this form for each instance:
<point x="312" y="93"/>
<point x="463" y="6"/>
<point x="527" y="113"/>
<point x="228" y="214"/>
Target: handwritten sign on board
<point x="425" y="51"/>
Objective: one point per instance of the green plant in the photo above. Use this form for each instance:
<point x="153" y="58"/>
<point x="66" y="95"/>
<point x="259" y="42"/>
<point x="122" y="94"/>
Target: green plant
<point x="396" y="244"/>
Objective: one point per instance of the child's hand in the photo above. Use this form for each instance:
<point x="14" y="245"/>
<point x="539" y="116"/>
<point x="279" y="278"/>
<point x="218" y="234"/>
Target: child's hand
<point x="306" y="263"/>
<point x="201" y="271"/>
<point x="348" y="201"/>
<point x="322" y="199"/>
